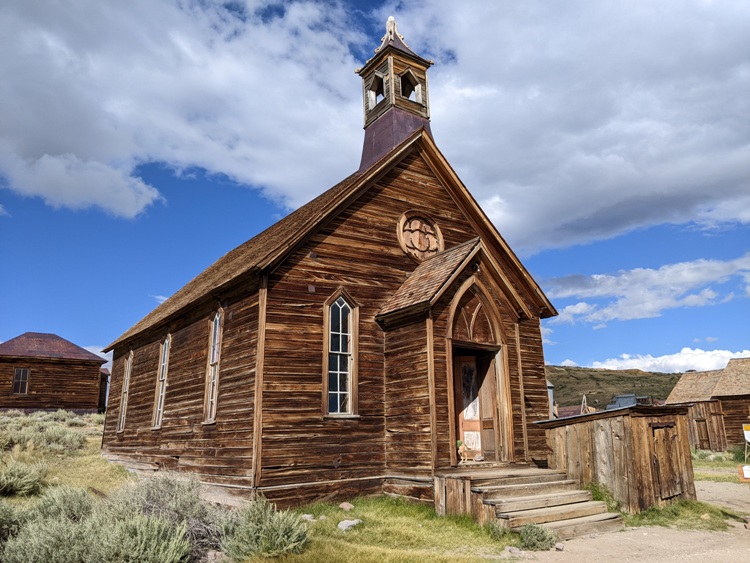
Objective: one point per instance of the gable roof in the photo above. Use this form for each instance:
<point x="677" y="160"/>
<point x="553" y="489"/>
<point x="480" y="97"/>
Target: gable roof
<point x="424" y="283"/>
<point x="44" y="345"/>
<point x="270" y="247"/>
<point x="694" y="386"/>
<point x="735" y="379"/>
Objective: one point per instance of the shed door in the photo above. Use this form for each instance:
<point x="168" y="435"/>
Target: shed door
<point x="702" y="427"/>
<point x="667" y="461"/>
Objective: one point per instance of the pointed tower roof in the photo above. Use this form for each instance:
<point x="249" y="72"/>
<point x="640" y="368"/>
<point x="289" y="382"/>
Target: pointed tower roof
<point x="394" y="39"/>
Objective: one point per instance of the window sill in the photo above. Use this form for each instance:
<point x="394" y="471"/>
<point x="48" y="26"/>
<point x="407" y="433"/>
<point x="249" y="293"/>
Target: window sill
<point x="208" y="423"/>
<point x="341" y="417"/>
<point x="156" y="428"/>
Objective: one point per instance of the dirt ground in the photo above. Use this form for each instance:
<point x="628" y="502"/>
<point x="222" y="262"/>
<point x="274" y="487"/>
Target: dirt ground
<point x="655" y="544"/>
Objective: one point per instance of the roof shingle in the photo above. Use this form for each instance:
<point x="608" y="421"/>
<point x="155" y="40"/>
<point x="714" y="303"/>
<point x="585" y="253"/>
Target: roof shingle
<point x="45" y="345"/>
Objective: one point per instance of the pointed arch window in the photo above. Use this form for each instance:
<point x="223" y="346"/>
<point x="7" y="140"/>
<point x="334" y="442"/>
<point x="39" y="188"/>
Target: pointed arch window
<point x="212" y="371"/>
<point x="161" y="381"/>
<point x="125" y="391"/>
<point x="340" y="355"/>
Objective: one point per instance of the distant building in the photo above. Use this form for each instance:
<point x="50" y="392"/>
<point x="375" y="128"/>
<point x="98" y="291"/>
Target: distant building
<point x="40" y="371"/>
<point x="719" y="404"/>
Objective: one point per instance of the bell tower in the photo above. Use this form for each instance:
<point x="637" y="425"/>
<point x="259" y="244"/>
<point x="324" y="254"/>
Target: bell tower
<point x="395" y="95"/>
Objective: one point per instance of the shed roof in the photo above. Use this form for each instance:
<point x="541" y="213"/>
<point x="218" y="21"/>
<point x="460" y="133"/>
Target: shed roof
<point x="270" y="246"/>
<point x="45" y="345"/>
<point x="735" y="379"/>
<point x="694" y="386"/>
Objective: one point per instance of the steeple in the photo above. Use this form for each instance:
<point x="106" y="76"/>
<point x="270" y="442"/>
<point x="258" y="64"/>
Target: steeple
<point x="394" y="88"/>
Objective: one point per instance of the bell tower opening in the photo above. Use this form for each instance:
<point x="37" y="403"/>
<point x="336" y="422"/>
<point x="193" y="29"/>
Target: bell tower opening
<point x="395" y="95"/>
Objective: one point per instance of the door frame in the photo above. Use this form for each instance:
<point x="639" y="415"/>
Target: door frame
<point x="503" y="414"/>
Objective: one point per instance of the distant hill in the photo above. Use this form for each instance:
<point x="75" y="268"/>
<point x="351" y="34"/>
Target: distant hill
<point x="600" y="385"/>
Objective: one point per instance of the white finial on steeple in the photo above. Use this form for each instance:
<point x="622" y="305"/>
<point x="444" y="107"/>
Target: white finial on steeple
<point x="390" y="28"/>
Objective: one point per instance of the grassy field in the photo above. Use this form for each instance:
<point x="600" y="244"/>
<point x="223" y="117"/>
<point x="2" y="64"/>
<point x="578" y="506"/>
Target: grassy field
<point x="392" y="530"/>
<point x="600" y="385"/>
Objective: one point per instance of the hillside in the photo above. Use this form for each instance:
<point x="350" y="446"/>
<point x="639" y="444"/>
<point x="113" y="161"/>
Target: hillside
<point x="600" y="385"/>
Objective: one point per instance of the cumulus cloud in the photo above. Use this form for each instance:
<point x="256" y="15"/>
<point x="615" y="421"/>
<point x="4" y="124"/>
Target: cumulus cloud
<point x="569" y="123"/>
<point x="686" y="359"/>
<point x="646" y="292"/>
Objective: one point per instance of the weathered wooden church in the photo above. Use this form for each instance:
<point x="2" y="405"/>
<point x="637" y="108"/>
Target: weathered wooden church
<point x="353" y="346"/>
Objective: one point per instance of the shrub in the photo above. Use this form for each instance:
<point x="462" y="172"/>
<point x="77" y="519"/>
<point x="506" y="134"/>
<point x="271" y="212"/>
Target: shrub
<point x="49" y="539"/>
<point x="702" y="454"/>
<point x="31" y="433"/>
<point x="141" y="539"/>
<point x="537" y="538"/>
<point x="97" y="418"/>
<point x="261" y="530"/>
<point x="501" y="533"/>
<point x="176" y="501"/>
<point x="18" y="478"/>
<point x="737" y="453"/>
<point x="601" y="493"/>
<point x="63" y="502"/>
<point x="11" y="520"/>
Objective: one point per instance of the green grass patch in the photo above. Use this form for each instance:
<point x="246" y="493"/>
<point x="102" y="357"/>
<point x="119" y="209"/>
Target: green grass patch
<point x="686" y="514"/>
<point x="601" y="493"/>
<point x="394" y="530"/>
<point x="717" y="477"/>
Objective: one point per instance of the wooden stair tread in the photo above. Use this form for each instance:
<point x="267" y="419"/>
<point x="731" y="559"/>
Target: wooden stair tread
<point x="521" y="487"/>
<point x="553" y="513"/>
<point x="515" y="504"/>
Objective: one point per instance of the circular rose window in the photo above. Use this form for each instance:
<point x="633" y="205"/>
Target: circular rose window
<point x="419" y="236"/>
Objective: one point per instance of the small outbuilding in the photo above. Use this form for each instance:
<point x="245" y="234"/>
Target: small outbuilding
<point x="705" y="418"/>
<point x="40" y="371"/>
<point x="733" y="391"/>
<point x="640" y="453"/>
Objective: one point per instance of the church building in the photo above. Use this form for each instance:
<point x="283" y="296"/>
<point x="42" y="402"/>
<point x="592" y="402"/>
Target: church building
<point x="379" y="335"/>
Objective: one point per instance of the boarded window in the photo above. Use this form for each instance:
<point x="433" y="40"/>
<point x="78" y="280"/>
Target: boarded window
<point x="125" y="390"/>
<point x="161" y="381"/>
<point x="21" y="381"/>
<point x="212" y="373"/>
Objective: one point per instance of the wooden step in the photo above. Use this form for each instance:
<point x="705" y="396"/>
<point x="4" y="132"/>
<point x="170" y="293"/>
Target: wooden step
<point x="552" y="513"/>
<point x="594" y="524"/>
<point x="519" y="478"/>
<point x="525" y="489"/>
<point x="516" y="504"/>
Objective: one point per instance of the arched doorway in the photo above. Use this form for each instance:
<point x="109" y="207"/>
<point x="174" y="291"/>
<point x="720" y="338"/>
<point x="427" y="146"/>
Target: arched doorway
<point x="481" y="420"/>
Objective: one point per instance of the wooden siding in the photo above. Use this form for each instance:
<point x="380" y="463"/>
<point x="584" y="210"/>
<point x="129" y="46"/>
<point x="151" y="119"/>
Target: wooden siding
<point x="706" y="426"/>
<point x="736" y="413"/>
<point x="53" y="384"/>
<point x="219" y="452"/>
<point x="408" y="427"/>
<point x="535" y="396"/>
<point x="641" y="455"/>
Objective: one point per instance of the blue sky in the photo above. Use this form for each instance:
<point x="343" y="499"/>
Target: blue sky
<point x="608" y="142"/>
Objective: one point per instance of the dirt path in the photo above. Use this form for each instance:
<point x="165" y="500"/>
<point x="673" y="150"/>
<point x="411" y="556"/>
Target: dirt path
<point x="655" y="544"/>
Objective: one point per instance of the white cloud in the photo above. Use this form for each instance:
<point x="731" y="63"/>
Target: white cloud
<point x="569" y="363"/>
<point x="646" y="292"/>
<point x="684" y="360"/>
<point x="160" y="298"/>
<point x="547" y="336"/>
<point x="569" y="123"/>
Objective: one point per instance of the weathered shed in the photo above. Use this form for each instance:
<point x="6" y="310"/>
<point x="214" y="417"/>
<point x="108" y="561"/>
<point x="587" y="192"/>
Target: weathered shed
<point x="733" y="391"/>
<point x="347" y="348"/>
<point x="40" y="371"/>
<point x="640" y="454"/>
<point x="705" y="418"/>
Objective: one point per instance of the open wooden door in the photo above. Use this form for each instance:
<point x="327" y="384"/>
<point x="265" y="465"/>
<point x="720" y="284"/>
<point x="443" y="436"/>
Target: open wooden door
<point x="467" y="398"/>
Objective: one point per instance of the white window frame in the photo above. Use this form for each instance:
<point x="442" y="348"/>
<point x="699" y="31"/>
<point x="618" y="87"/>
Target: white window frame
<point x="340" y="352"/>
<point x="161" y="381"/>
<point x="125" y="392"/>
<point x="215" y="337"/>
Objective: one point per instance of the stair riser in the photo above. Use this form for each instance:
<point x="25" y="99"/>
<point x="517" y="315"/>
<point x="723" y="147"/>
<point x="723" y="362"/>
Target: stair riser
<point x="528" y="490"/>
<point x="554" y="514"/>
<point x="575" y="530"/>
<point x="508" y="505"/>
<point x="519" y="480"/>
